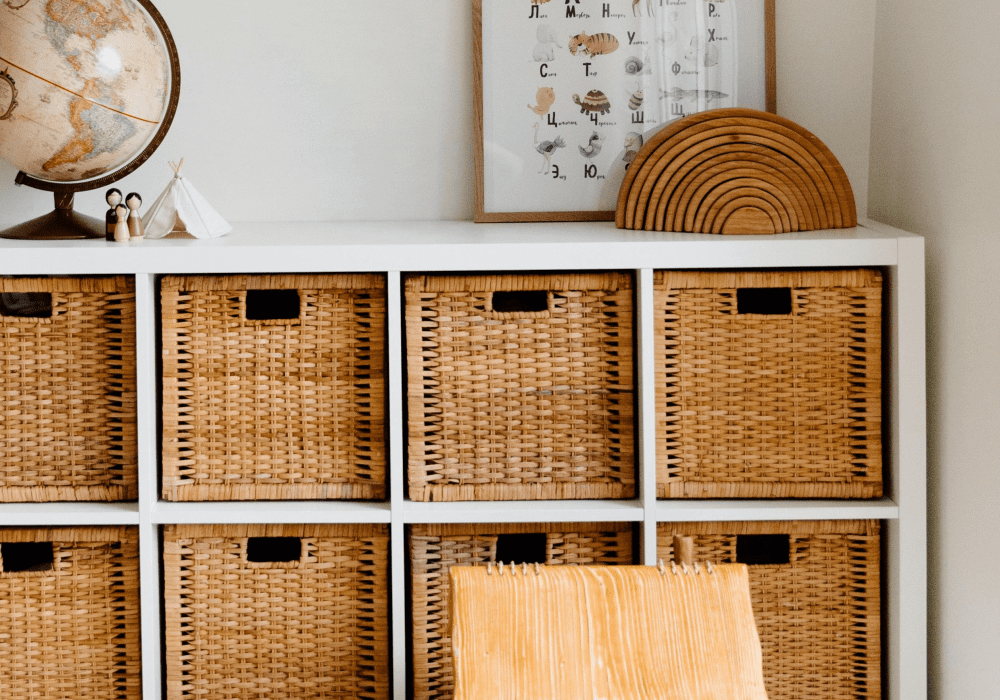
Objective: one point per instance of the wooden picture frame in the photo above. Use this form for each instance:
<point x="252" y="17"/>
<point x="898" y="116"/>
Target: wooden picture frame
<point x="499" y="209"/>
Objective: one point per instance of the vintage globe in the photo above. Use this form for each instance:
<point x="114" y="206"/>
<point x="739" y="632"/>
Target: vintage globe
<point x="87" y="89"/>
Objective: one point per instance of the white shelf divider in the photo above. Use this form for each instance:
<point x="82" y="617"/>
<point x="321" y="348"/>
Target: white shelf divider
<point x="646" y="419"/>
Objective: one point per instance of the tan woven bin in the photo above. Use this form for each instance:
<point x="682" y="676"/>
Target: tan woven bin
<point x="434" y="549"/>
<point x="768" y="384"/>
<point x="69" y="602"/>
<point x="67" y="376"/>
<point x="240" y="628"/>
<point x="818" y="614"/>
<point x="273" y="408"/>
<point x="520" y="387"/>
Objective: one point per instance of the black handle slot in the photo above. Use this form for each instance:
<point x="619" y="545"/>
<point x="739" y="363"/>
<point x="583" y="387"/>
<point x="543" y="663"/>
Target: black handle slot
<point x="274" y="549"/>
<point x="522" y="548"/>
<point x="755" y="550"/>
<point x="26" y="304"/>
<point x="521" y="301"/>
<point x="273" y="304"/>
<point x="27" y="556"/>
<point x="774" y="301"/>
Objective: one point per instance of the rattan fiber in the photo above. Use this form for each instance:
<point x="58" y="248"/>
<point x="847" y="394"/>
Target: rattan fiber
<point x="316" y="627"/>
<point x="273" y="409"/>
<point x="434" y="549"/>
<point x="513" y="405"/>
<point x="818" y="616"/>
<point x="72" y="632"/>
<point x="68" y="429"/>
<point x="754" y="405"/>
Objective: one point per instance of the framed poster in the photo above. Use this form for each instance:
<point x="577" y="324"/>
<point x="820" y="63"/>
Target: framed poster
<point x="566" y="91"/>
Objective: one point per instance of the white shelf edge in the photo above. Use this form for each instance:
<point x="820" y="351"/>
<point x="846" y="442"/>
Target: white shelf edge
<point x="725" y="510"/>
<point x="70" y="513"/>
<point x="270" y="512"/>
<point x="523" y="511"/>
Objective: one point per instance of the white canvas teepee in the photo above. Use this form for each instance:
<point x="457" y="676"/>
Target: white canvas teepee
<point x="181" y="209"/>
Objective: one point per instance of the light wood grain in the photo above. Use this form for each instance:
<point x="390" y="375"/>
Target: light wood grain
<point x="609" y="633"/>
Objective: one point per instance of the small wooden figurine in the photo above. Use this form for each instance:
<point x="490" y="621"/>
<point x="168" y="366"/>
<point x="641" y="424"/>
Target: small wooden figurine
<point x="121" y="226"/>
<point x="113" y="198"/>
<point x="135" y="228"/>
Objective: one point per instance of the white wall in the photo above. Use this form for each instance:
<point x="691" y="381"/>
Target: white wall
<point x="936" y="170"/>
<point x="332" y="110"/>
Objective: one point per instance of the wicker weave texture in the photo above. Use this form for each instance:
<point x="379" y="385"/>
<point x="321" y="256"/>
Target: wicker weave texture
<point x="818" y="615"/>
<point x="434" y="549"/>
<point x="765" y="405"/>
<point x="520" y="404"/>
<point x="314" y="627"/>
<point x="71" y="628"/>
<point x="68" y="430"/>
<point x="275" y="408"/>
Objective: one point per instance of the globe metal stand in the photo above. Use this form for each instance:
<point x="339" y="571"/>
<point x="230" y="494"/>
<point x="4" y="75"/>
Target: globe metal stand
<point x="60" y="225"/>
<point x="66" y="224"/>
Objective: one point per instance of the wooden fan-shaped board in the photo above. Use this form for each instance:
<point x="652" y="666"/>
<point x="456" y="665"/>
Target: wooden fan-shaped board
<point x="735" y="171"/>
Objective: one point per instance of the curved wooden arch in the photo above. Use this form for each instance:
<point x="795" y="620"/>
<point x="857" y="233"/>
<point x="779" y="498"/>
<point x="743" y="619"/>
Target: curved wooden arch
<point x="735" y="171"/>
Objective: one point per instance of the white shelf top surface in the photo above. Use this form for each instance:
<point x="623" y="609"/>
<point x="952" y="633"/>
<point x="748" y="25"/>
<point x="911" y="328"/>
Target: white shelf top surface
<point x="232" y="512"/>
<point x="58" y="514"/>
<point x="450" y="246"/>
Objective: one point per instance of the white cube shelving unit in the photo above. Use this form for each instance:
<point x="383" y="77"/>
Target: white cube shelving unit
<point x="398" y="248"/>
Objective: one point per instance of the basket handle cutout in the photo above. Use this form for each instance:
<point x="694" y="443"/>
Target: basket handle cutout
<point x="27" y="556"/>
<point x="756" y="550"/>
<point x="26" y="304"/>
<point x="274" y="549"/>
<point x="272" y="305"/>
<point x="772" y="301"/>
<point x="524" y="301"/>
<point x="522" y="548"/>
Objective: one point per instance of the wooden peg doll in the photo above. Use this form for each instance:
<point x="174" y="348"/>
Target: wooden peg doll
<point x="135" y="228"/>
<point x="113" y="198"/>
<point x="121" y="226"/>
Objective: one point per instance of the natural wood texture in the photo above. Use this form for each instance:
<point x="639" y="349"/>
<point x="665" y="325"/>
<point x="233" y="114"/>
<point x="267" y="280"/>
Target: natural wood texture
<point x="309" y="628"/>
<point x="520" y="405"/>
<point x="753" y="405"/>
<point x="608" y="633"/>
<point x="71" y="631"/>
<point x="683" y="550"/>
<point x="735" y="171"/>
<point x="287" y="408"/>
<point x="771" y="56"/>
<point x="68" y="383"/>
<point x="434" y="549"/>
<point x="818" y="615"/>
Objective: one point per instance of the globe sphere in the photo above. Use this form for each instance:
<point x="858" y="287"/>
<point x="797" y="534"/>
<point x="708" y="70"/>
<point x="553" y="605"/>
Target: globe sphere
<point x="84" y="86"/>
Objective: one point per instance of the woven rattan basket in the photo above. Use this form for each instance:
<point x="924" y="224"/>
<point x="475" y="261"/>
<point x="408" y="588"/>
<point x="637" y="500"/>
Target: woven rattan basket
<point x="69" y="602"/>
<point x="768" y="384"/>
<point x="434" y="549"/>
<point x="816" y="598"/>
<point x="67" y="377"/>
<point x="312" y="621"/>
<point x="520" y="387"/>
<point x="273" y="387"/>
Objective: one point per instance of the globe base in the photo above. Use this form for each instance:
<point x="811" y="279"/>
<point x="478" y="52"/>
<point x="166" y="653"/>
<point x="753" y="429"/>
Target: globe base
<point x="63" y="224"/>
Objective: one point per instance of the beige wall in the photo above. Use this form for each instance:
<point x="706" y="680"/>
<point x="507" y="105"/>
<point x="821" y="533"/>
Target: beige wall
<point x="825" y="50"/>
<point x="935" y="170"/>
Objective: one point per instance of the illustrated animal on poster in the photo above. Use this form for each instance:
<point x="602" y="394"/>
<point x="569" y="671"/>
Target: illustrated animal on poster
<point x="595" y="102"/>
<point x="635" y="98"/>
<point x="545" y="49"/>
<point x="539" y="2"/>
<point x="544" y="97"/>
<point x="669" y="37"/>
<point x="677" y="94"/>
<point x="593" y="45"/>
<point x="637" y="66"/>
<point x="637" y="10"/>
<point x="705" y="56"/>
<point x="593" y="147"/>
<point x="633" y="142"/>
<point x="547" y="148"/>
